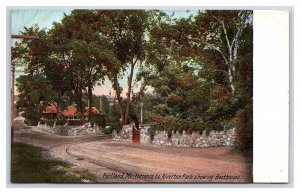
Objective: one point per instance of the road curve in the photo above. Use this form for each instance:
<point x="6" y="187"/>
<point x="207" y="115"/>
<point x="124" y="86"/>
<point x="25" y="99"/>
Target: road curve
<point x="117" y="162"/>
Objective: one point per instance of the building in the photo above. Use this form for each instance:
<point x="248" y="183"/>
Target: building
<point x="50" y="112"/>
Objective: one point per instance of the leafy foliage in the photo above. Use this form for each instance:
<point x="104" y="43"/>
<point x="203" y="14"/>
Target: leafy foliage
<point x="35" y="93"/>
<point x="99" y="120"/>
<point x="199" y="68"/>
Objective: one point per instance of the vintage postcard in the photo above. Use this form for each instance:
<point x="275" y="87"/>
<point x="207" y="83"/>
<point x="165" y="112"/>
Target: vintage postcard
<point x="131" y="96"/>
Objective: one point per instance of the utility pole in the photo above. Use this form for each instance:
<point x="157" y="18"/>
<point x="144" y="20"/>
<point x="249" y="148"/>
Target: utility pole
<point x="142" y="104"/>
<point x="13" y="71"/>
<point x="12" y="108"/>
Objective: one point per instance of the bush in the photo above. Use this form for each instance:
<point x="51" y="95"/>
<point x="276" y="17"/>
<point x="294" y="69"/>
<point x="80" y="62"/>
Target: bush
<point x="151" y="133"/>
<point x="116" y="126"/>
<point x="31" y="122"/>
<point x="171" y="123"/>
<point x="32" y="116"/>
<point x="61" y="122"/>
<point x="42" y="122"/>
<point x="107" y="130"/>
<point x="98" y="120"/>
<point x="50" y="123"/>
<point x="244" y="130"/>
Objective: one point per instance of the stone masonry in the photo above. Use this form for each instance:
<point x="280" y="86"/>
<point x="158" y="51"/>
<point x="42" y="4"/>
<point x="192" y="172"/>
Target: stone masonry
<point x="215" y="138"/>
<point x="85" y="129"/>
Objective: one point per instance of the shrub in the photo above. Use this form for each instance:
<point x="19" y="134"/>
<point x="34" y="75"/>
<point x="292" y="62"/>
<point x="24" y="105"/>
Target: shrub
<point x="50" y="123"/>
<point x="42" y="122"/>
<point x="116" y="126"/>
<point x="31" y="122"/>
<point x="98" y="120"/>
<point x="171" y="123"/>
<point x="151" y="133"/>
<point x="32" y="116"/>
<point x="107" y="130"/>
<point x="200" y="126"/>
<point x="244" y="130"/>
<point x="61" y="122"/>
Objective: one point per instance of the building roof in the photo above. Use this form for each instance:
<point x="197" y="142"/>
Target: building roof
<point x="94" y="110"/>
<point x="70" y="111"/>
<point x="51" y="108"/>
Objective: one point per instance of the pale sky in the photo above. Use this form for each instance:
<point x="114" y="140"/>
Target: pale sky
<point x="44" y="18"/>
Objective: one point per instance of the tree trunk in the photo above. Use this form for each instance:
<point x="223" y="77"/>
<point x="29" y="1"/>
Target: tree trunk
<point x="118" y="92"/>
<point x="230" y="76"/>
<point x="129" y="93"/>
<point x="78" y="98"/>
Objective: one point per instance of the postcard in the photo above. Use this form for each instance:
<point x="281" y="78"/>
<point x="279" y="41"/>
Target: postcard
<point x="134" y="96"/>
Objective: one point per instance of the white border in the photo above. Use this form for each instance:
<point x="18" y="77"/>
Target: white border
<point x="271" y="96"/>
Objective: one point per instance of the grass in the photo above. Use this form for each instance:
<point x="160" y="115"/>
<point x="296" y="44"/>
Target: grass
<point x="29" y="166"/>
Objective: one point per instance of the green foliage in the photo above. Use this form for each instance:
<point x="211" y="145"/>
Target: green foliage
<point x="50" y="123"/>
<point x="61" y="122"/>
<point x="204" y="83"/>
<point x="198" y="82"/>
<point x="99" y="120"/>
<point x="113" y="119"/>
<point x="107" y="130"/>
<point x="161" y="109"/>
<point x="32" y="115"/>
<point x="171" y="123"/>
<point x="35" y="93"/>
<point x="152" y="132"/>
<point x="244" y="129"/>
<point x="42" y="122"/>
<point x="105" y="107"/>
<point x="116" y="126"/>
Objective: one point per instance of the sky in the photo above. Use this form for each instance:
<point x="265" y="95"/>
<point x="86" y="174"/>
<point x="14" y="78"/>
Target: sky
<point x="44" y="18"/>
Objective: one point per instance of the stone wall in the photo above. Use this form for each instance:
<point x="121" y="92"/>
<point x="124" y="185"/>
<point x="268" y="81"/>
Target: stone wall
<point x="126" y="134"/>
<point x="85" y="129"/>
<point x="215" y="138"/>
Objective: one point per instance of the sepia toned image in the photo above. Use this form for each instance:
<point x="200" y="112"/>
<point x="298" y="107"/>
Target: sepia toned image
<point x="131" y="96"/>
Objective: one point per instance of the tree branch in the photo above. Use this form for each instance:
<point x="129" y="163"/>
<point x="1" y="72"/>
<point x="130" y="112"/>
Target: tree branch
<point x="226" y="37"/>
<point x="212" y="47"/>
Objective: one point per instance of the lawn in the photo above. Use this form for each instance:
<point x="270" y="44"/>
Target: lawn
<point x="28" y="165"/>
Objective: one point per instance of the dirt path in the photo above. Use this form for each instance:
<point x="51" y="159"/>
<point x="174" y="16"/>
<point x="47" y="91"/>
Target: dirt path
<point x="119" y="162"/>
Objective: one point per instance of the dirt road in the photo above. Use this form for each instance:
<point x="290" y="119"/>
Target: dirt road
<point x="118" y="162"/>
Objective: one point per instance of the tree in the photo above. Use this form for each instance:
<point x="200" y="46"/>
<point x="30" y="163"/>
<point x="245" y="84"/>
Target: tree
<point x="35" y="94"/>
<point x="214" y="43"/>
<point x="224" y="35"/>
<point x="125" y="31"/>
<point x="83" y="51"/>
<point x="37" y="57"/>
<point x="102" y="104"/>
